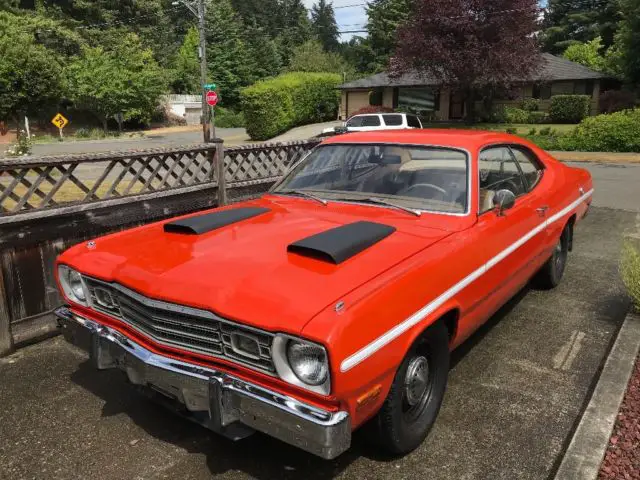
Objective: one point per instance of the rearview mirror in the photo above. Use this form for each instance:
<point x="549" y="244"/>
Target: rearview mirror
<point x="503" y="200"/>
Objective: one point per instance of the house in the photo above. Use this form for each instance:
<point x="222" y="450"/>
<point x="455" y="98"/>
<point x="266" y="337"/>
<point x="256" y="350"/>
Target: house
<point x="187" y="106"/>
<point x="429" y="98"/>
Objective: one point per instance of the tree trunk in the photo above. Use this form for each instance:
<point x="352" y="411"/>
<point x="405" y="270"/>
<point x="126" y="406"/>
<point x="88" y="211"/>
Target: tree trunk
<point x="469" y="107"/>
<point x="104" y="124"/>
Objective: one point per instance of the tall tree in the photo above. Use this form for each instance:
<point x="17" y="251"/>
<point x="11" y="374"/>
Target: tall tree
<point x="384" y="19"/>
<point x="324" y="26"/>
<point x="568" y="22"/>
<point x="226" y="51"/>
<point x="263" y="56"/>
<point x="628" y="41"/>
<point x="587" y="54"/>
<point x="263" y="14"/>
<point x="30" y="74"/>
<point x="186" y="68"/>
<point x="295" y="27"/>
<point x="469" y="45"/>
<point x="124" y="80"/>
<point x="311" y="57"/>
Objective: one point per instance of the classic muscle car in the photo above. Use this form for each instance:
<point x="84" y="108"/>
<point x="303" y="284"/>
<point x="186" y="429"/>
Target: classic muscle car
<point x="333" y="301"/>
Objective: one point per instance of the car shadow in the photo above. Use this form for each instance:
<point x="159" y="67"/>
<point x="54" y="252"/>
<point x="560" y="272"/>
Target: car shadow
<point x="259" y="455"/>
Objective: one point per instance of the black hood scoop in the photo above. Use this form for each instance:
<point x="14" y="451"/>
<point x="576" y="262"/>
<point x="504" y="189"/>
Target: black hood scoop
<point x="211" y="221"/>
<point x="341" y="243"/>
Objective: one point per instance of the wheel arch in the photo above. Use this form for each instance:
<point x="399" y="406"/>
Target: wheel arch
<point x="570" y="223"/>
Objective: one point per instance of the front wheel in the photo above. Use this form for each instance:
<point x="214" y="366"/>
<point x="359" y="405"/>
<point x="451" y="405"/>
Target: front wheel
<point x="413" y="402"/>
<point x="551" y="272"/>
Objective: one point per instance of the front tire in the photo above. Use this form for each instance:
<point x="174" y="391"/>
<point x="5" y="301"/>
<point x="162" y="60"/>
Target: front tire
<point x="413" y="402"/>
<point x="552" y="272"/>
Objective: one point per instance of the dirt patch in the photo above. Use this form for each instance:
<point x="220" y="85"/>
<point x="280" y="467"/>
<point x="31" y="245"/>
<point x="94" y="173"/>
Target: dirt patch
<point x="622" y="459"/>
<point x="597" y="157"/>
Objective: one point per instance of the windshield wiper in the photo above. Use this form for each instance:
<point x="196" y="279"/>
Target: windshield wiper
<point x="303" y="193"/>
<point x="382" y="201"/>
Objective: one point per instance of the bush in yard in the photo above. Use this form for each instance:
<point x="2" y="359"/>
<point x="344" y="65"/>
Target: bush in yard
<point x="372" y="109"/>
<point x="530" y="104"/>
<point x="508" y="114"/>
<point x="511" y="130"/>
<point x="617" y="100"/>
<point x="630" y="269"/>
<point x="569" y="108"/>
<point x="275" y="105"/>
<point x="537" y="117"/>
<point x="613" y="132"/>
<point x="226" y="118"/>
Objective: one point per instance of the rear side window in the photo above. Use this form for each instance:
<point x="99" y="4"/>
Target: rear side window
<point x="413" y="121"/>
<point x="529" y="164"/>
<point x="364" y="121"/>
<point x="392" y="120"/>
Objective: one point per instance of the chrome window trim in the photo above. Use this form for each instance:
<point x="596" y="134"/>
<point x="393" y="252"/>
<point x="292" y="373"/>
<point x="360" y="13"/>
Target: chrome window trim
<point x="470" y="171"/>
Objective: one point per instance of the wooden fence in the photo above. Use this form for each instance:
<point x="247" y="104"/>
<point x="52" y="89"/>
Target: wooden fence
<point x="49" y="204"/>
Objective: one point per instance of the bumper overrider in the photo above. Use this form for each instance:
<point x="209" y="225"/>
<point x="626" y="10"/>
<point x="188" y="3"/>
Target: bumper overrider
<point x="221" y="402"/>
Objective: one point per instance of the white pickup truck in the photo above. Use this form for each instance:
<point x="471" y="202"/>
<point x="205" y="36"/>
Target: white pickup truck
<point x="376" y="121"/>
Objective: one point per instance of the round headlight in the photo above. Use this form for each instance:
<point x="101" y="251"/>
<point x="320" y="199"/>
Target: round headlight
<point x="71" y="282"/>
<point x="308" y="362"/>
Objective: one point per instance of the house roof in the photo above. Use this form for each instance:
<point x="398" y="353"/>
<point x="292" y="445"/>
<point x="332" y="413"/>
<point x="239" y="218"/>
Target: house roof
<point x="552" y="68"/>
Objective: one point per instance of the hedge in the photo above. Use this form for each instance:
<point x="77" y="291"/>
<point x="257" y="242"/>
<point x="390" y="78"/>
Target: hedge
<point x="569" y="108"/>
<point x="275" y="105"/>
<point x="612" y="132"/>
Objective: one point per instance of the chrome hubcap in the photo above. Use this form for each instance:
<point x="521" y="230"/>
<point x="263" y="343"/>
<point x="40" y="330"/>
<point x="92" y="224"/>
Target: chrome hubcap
<point x="416" y="380"/>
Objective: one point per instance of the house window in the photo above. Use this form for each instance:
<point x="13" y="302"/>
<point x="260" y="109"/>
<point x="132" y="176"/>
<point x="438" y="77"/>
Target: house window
<point x="541" y="92"/>
<point x="375" y="97"/>
<point x="419" y="100"/>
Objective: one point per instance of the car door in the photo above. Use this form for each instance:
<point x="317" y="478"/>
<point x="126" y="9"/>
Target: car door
<point x="512" y="243"/>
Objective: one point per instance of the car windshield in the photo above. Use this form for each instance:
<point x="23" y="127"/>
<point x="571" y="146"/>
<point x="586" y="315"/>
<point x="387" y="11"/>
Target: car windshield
<point x="417" y="177"/>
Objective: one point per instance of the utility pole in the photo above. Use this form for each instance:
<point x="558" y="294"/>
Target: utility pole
<point x="199" y="11"/>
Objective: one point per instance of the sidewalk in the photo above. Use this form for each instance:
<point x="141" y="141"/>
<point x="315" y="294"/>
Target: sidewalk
<point x="599" y="157"/>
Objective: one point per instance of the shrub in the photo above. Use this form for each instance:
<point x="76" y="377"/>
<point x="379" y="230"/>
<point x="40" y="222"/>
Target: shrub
<point x="630" y="270"/>
<point x="616" y="100"/>
<point x="569" y="108"/>
<point x="612" y="132"/>
<point x="545" y="131"/>
<point x="372" y="109"/>
<point x="83" y="133"/>
<point x="537" y="117"/>
<point x="22" y="146"/>
<point x="530" y="104"/>
<point x="533" y="131"/>
<point x="508" y="114"/>
<point x="511" y="130"/>
<point x="226" y="118"/>
<point x="275" y="105"/>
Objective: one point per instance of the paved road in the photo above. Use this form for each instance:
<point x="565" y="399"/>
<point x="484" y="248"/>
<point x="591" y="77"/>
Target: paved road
<point x="617" y="184"/>
<point x="516" y="390"/>
<point x="230" y="135"/>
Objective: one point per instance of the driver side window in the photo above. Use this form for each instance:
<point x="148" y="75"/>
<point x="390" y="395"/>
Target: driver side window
<point x="498" y="170"/>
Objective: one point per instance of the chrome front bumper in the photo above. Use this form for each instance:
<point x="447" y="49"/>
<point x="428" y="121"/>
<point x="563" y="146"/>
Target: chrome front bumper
<point x="223" y="403"/>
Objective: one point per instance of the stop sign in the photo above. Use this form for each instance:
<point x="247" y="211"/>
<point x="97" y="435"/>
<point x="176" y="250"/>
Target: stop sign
<point x="212" y="98"/>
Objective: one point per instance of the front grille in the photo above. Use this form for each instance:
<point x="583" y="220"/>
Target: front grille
<point x="183" y="327"/>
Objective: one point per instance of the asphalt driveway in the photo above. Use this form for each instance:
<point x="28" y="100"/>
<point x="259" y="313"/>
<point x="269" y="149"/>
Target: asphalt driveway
<point x="516" y="390"/>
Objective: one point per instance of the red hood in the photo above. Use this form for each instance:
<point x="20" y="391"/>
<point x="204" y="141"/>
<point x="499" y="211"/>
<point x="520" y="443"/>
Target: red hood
<point x="243" y="271"/>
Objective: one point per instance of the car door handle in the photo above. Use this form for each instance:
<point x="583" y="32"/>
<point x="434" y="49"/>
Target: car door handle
<point x="542" y="211"/>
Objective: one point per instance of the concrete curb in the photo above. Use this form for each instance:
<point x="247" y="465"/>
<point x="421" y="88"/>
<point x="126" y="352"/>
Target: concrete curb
<point x="589" y="443"/>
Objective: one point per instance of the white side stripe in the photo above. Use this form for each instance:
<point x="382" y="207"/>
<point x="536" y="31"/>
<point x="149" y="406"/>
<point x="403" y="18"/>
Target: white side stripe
<point x="418" y="316"/>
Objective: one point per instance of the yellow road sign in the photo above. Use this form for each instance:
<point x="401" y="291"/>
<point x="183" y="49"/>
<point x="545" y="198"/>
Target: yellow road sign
<point x="60" y="121"/>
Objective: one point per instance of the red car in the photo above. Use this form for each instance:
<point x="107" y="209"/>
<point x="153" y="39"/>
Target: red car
<point x="335" y="299"/>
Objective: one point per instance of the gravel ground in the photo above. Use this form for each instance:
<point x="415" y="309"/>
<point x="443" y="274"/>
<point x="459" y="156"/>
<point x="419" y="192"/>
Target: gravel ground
<point x="622" y="459"/>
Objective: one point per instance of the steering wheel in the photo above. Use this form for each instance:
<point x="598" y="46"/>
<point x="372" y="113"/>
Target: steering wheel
<point x="422" y="185"/>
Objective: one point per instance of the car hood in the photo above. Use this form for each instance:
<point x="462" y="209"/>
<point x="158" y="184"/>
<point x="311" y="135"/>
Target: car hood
<point x="243" y="271"/>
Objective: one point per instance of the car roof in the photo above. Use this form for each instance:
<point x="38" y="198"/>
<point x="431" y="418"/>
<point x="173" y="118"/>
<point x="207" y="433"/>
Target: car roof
<point x="467" y="139"/>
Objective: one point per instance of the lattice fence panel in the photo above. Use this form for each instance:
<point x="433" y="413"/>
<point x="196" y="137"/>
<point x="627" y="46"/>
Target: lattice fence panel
<point x="31" y="184"/>
<point x="264" y="162"/>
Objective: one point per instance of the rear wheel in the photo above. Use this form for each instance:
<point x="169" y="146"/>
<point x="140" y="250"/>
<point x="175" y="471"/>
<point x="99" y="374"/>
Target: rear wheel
<point x="416" y="394"/>
<point x="551" y="272"/>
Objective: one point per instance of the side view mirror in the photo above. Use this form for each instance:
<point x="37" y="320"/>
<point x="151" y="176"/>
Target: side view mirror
<point x="503" y="200"/>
